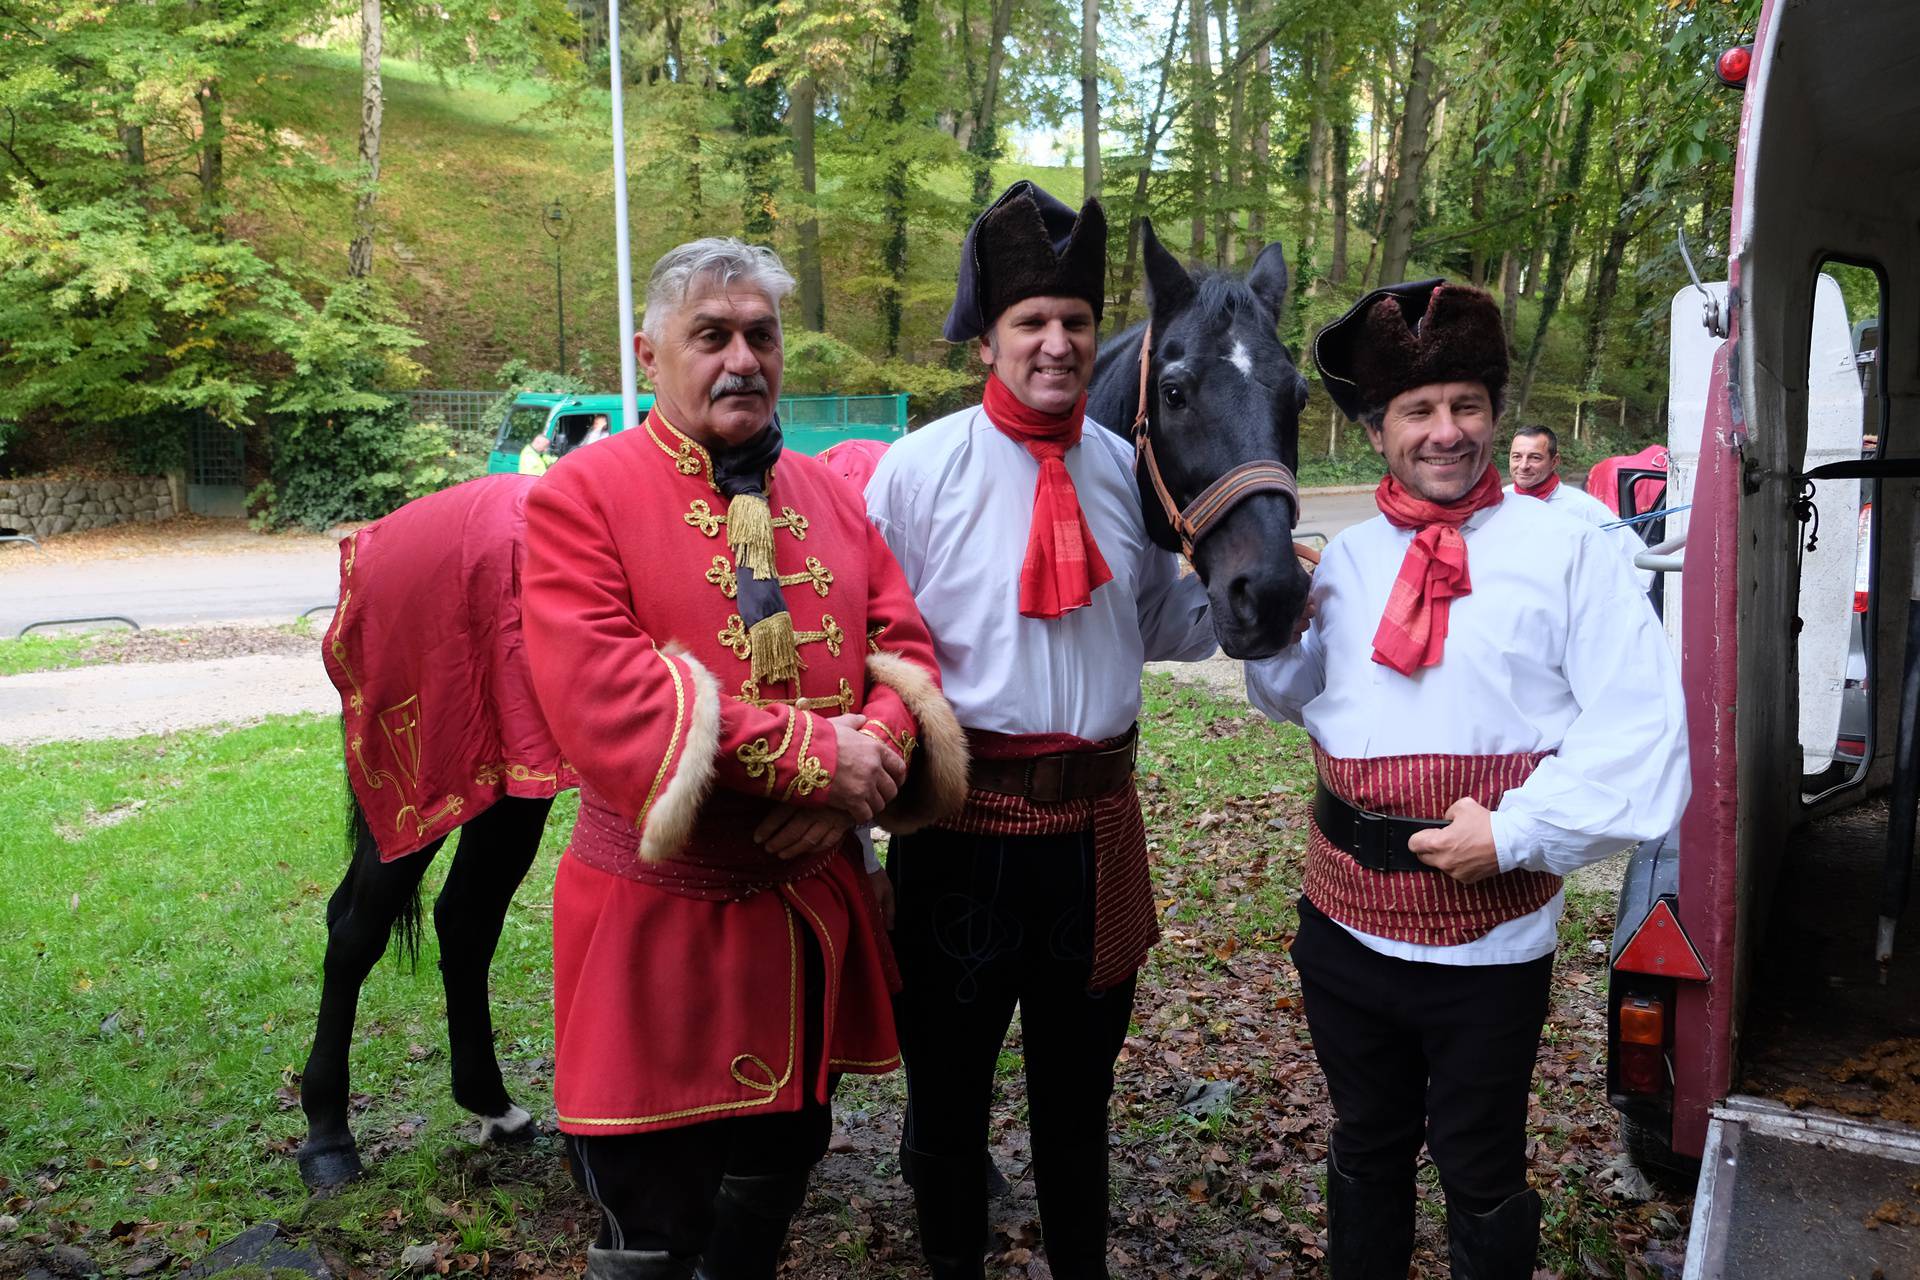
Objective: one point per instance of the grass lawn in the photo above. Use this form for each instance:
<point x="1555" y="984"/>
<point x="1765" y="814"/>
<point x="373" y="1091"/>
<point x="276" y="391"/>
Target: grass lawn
<point x="161" y="942"/>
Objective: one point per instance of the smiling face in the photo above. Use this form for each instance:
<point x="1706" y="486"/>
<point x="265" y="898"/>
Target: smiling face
<point x="1531" y="460"/>
<point x="1437" y="439"/>
<point x="1043" y="349"/>
<point x="717" y="365"/>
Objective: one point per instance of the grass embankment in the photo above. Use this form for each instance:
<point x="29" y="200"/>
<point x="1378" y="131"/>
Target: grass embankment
<point x="162" y="939"/>
<point x="468" y="166"/>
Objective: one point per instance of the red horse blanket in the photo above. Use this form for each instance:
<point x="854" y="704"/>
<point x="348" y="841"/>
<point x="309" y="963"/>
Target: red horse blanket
<point x="427" y="653"/>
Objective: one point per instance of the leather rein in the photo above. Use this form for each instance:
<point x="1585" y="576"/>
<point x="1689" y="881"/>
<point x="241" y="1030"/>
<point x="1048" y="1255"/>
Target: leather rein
<point x="1193" y="522"/>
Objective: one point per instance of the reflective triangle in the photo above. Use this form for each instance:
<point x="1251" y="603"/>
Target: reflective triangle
<point x="1660" y="947"/>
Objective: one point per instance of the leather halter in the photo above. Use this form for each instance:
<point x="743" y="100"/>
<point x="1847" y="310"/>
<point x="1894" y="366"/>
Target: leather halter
<point x="1197" y="518"/>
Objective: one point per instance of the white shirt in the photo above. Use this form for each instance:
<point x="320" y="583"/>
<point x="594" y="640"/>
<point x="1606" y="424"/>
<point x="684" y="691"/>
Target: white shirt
<point x="1581" y="505"/>
<point x="954" y="501"/>
<point x="1555" y="650"/>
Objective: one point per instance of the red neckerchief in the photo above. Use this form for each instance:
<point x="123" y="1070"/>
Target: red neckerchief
<point x="1063" y="563"/>
<point x="1543" y="490"/>
<point x="1413" y="630"/>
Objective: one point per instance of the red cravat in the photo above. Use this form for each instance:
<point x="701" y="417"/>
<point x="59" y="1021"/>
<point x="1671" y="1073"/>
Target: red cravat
<point x="1543" y="490"/>
<point x="1413" y="630"/>
<point x="1063" y="563"/>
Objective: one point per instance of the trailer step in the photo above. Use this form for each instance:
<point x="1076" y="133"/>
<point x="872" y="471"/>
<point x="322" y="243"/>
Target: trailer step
<point x="1801" y="1193"/>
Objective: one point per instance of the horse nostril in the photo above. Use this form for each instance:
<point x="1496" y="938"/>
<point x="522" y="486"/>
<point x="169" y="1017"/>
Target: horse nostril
<point x="1242" y="600"/>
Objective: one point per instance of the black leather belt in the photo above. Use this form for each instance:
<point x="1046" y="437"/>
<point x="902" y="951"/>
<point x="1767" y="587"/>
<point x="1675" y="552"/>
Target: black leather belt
<point x="1069" y="775"/>
<point x="1373" y="840"/>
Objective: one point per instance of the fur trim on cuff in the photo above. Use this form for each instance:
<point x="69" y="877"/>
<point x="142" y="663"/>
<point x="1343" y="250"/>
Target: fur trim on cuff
<point x="669" y="823"/>
<point x="936" y="785"/>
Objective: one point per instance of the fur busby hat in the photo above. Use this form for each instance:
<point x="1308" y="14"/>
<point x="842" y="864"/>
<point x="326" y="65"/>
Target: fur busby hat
<point x="1409" y="335"/>
<point x="1028" y="245"/>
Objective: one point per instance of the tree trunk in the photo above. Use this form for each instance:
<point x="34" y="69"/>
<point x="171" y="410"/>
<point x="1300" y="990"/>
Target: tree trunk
<point x="372" y="106"/>
<point x="1564" y="218"/>
<point x="1089" y="99"/>
<point x="757" y="116"/>
<point x="133" y="144"/>
<point x="813" y="294"/>
<point x="1201" y="126"/>
<point x="1342" y="144"/>
<point x="1260" y="107"/>
<point x="1151" y="130"/>
<point x="894" y="206"/>
<point x="1225" y="218"/>
<point x="213" y="139"/>
<point x="1411" y="161"/>
<point x="675" y="59"/>
<point x="1509" y="294"/>
<point x="1477" y="202"/>
<point x="1320" y="75"/>
<point x="1606" y="278"/>
<point x="984" y="145"/>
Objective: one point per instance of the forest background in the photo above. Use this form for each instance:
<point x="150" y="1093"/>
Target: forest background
<point x="269" y="213"/>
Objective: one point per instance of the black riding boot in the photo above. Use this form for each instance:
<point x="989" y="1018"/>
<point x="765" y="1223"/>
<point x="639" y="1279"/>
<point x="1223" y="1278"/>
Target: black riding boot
<point x="750" y="1219"/>
<point x="950" y="1199"/>
<point x="636" y="1264"/>
<point x="1369" y="1227"/>
<point x="1498" y="1245"/>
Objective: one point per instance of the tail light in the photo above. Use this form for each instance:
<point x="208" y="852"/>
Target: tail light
<point x="1642" y="1049"/>
<point x="1733" y="64"/>
<point x="1863" y="559"/>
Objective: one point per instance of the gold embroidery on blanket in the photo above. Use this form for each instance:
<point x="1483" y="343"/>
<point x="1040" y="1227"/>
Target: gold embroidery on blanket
<point x="489" y="774"/>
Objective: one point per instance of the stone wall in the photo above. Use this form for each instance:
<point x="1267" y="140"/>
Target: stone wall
<point x="43" y="507"/>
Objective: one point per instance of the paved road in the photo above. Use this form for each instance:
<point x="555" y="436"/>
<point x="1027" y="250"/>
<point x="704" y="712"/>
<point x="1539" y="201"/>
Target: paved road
<point x="161" y="591"/>
<point x="277" y="585"/>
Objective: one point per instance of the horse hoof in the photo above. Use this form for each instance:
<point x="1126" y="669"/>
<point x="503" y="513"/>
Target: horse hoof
<point x="326" y="1167"/>
<point x="511" y="1129"/>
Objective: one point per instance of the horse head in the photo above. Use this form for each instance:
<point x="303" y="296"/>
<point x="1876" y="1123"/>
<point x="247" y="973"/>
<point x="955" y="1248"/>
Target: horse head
<point x="1218" y="439"/>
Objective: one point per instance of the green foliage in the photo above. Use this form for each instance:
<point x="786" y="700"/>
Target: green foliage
<point x="355" y="463"/>
<point x="9" y="434"/>
<point x="819" y="363"/>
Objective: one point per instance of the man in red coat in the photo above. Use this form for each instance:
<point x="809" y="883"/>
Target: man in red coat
<point x="728" y="654"/>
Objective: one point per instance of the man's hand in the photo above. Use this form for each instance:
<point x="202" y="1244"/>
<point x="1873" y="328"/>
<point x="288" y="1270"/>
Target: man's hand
<point x="883" y="894"/>
<point x="869" y="773"/>
<point x="1463" y="848"/>
<point x="1308" y="612"/>
<point x="790" y="831"/>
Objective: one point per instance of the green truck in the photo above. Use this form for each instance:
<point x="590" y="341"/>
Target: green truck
<point x="811" y="423"/>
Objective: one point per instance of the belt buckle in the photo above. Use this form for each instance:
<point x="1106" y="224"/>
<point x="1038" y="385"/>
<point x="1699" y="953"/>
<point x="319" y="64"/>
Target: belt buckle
<point x="1370" y="836"/>
<point x="1047" y="779"/>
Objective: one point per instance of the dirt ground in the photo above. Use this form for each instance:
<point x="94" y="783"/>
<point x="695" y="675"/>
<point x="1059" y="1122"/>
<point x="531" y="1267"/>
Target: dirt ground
<point x="182" y="535"/>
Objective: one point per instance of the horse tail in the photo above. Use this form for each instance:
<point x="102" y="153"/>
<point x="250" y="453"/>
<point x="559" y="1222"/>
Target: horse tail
<point x="363" y="854"/>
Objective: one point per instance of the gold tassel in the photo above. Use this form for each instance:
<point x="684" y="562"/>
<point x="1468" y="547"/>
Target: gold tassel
<point x="750" y="535"/>
<point x="776" y="655"/>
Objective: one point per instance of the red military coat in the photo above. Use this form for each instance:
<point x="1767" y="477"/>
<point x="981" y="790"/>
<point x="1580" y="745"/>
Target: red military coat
<point x="678" y="993"/>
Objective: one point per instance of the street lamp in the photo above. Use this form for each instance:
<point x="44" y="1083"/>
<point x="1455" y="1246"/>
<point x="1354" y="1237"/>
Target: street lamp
<point x="557" y="221"/>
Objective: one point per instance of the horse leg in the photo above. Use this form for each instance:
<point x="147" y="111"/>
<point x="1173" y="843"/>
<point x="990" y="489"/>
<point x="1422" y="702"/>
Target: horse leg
<point x="496" y="849"/>
<point x="372" y="898"/>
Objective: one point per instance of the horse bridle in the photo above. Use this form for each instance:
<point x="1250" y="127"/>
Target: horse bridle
<point x="1193" y="522"/>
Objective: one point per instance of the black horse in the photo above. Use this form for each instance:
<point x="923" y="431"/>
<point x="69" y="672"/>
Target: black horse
<point x="1222" y="392"/>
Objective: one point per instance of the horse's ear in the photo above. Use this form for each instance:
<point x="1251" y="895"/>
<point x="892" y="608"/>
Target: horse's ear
<point x="1169" y="287"/>
<point x="1268" y="279"/>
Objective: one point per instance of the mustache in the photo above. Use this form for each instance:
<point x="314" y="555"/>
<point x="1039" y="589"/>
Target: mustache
<point x="733" y="384"/>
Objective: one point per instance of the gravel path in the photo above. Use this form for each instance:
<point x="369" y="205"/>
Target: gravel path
<point x="137" y="698"/>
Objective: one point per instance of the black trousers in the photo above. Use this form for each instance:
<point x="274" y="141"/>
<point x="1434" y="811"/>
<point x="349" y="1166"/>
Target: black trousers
<point x="1416" y="1051"/>
<point x="985" y="923"/>
<point x="657" y="1190"/>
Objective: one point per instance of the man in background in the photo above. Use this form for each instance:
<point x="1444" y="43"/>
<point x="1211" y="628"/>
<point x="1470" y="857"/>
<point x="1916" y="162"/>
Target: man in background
<point x="1533" y="460"/>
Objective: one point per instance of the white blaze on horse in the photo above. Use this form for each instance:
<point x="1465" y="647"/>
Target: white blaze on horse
<point x="429" y="619"/>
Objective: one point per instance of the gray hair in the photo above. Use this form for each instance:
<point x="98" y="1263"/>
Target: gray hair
<point x="718" y="262"/>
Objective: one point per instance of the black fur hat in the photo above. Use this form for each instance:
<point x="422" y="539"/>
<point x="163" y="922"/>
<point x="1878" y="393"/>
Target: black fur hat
<point x="1403" y="336"/>
<point x="1028" y="245"/>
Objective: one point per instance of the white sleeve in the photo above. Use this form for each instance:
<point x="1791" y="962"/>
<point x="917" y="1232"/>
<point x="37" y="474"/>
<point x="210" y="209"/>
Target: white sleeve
<point x="1620" y="775"/>
<point x="890" y="497"/>
<point x="1176" y="623"/>
<point x="1631" y="544"/>
<point x="1283" y="685"/>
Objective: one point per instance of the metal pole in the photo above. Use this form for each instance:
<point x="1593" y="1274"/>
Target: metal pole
<point x="560" y="302"/>
<point x="623" y="258"/>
